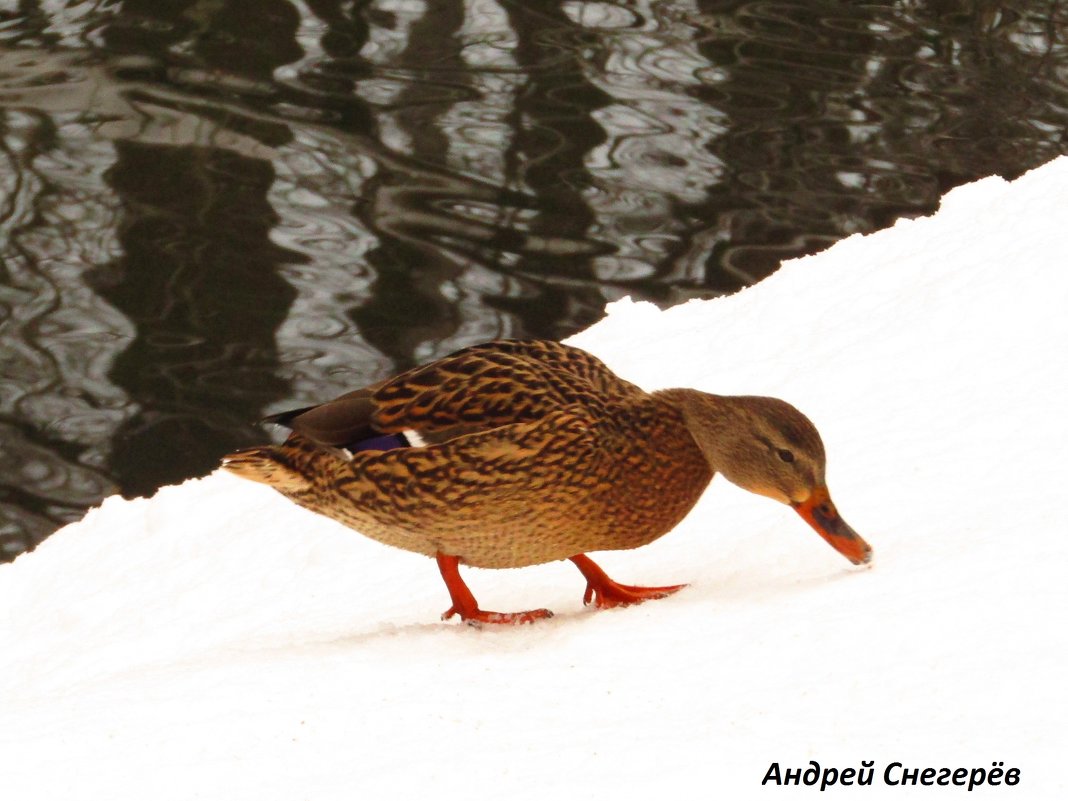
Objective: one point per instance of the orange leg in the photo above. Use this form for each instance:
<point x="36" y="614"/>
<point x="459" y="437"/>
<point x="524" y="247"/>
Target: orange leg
<point x="606" y="593"/>
<point x="465" y="605"/>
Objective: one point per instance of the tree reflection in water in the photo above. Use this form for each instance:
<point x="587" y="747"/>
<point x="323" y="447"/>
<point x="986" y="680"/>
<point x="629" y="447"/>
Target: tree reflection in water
<point x="213" y="211"/>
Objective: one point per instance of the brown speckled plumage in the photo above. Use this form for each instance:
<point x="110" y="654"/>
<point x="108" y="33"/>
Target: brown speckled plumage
<point x="534" y="451"/>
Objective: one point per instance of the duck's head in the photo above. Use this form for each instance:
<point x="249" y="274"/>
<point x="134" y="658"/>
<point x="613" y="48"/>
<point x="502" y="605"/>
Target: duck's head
<point x="766" y="446"/>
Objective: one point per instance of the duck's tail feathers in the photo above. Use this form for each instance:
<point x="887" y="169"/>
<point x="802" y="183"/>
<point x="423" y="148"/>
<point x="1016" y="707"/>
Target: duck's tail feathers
<point x="266" y="464"/>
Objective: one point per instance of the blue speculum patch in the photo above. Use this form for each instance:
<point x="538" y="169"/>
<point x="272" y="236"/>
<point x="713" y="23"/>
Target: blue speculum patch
<point x="384" y="442"/>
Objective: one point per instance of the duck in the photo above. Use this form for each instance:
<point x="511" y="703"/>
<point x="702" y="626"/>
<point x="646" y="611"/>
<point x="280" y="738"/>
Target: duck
<point x="514" y="453"/>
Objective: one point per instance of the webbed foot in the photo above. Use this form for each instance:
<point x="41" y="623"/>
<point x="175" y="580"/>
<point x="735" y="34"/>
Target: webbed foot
<point x="465" y="605"/>
<point x="477" y="615"/>
<point x="607" y="594"/>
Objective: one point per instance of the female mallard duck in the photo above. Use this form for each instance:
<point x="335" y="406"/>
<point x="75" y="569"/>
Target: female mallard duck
<point x="515" y="453"/>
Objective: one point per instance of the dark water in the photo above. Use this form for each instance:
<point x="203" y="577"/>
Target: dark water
<point x="212" y="210"/>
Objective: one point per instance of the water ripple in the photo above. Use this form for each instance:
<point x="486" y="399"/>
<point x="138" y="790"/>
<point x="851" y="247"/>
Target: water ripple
<point x="213" y="211"/>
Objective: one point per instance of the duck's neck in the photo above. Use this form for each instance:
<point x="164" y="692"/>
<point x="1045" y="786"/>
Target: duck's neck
<point x="716" y="423"/>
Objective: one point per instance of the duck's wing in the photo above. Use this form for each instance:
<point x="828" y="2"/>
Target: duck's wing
<point x="478" y="388"/>
<point x="343" y="422"/>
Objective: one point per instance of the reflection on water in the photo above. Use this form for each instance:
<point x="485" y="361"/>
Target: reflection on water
<point x="209" y="211"/>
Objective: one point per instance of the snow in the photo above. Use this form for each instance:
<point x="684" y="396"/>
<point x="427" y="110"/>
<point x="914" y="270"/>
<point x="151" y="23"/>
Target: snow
<point x="217" y="642"/>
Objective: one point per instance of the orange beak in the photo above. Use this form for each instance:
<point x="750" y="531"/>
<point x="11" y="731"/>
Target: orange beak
<point x="819" y="512"/>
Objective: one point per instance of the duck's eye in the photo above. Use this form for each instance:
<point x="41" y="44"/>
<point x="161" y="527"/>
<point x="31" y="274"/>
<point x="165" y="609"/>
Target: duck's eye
<point x="785" y="455"/>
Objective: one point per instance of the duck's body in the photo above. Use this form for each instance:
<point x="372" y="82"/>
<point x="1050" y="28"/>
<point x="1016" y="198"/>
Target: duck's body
<point x="514" y="496"/>
<point x="530" y="452"/>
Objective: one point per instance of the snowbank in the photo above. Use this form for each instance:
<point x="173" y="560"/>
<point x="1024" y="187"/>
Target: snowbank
<point x="216" y="642"/>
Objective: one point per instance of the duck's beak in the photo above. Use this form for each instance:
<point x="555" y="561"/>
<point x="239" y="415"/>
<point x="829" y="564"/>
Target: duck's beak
<point x="819" y="512"/>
